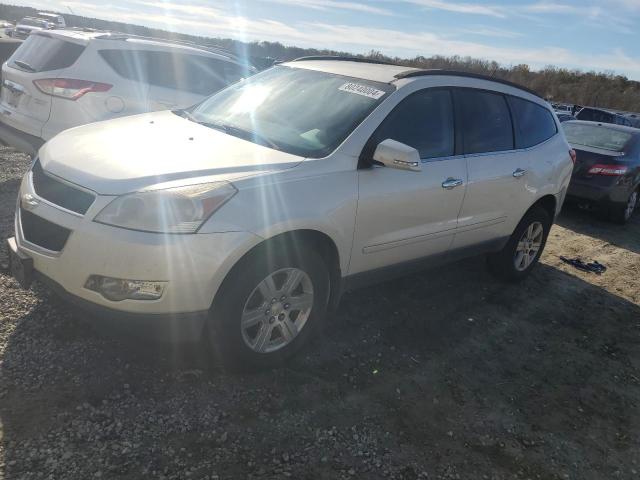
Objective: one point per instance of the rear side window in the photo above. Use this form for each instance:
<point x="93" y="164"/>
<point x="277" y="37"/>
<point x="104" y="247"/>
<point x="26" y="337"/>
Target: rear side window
<point x="424" y="121"/>
<point x="533" y="124"/>
<point x="177" y="71"/>
<point x="40" y="53"/>
<point x="485" y="121"/>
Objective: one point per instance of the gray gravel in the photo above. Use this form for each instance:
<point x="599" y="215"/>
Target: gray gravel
<point x="442" y="375"/>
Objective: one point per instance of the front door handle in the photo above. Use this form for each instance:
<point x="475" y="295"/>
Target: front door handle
<point x="450" y="183"/>
<point x="519" y="172"/>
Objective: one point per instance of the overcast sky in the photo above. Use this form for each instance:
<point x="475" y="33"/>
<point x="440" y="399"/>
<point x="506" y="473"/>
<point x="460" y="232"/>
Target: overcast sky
<point x="588" y="34"/>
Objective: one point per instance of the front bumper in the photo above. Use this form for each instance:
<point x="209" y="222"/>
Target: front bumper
<point x="193" y="266"/>
<point x="169" y="327"/>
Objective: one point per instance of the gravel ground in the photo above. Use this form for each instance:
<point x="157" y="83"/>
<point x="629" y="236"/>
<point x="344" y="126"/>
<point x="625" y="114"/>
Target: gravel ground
<point x="447" y="374"/>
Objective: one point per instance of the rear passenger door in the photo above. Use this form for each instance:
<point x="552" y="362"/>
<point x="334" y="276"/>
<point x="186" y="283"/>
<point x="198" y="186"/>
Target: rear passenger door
<point x="497" y="174"/>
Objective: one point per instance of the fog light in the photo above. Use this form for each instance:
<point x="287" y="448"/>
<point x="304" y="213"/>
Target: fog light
<point x="117" y="289"/>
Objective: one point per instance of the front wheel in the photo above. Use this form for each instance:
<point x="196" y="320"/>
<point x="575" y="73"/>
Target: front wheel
<point x="268" y="308"/>
<point x="521" y="253"/>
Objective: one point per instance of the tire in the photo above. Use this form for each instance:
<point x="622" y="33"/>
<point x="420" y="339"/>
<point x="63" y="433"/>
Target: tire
<point x="622" y="213"/>
<point x="282" y="326"/>
<point x="507" y="264"/>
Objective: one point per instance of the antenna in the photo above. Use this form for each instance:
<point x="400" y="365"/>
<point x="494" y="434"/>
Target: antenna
<point x="70" y="9"/>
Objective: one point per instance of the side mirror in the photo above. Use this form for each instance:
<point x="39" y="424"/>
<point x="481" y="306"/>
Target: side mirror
<point x="394" y="154"/>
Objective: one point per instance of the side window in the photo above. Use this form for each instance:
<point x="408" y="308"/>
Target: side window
<point x="424" y="121"/>
<point x="485" y="121"/>
<point x="595" y="116"/>
<point x="533" y="123"/>
<point x="129" y="64"/>
<point x="192" y="73"/>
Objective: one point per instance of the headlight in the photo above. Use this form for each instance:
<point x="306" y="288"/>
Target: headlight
<point x="171" y="210"/>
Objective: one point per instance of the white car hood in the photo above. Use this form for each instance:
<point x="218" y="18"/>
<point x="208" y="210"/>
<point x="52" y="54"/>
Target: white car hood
<point x="130" y="153"/>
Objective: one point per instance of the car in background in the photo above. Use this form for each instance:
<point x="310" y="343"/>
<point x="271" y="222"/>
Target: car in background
<point x="634" y="118"/>
<point x="58" y="21"/>
<point x="606" y="174"/>
<point x="561" y="108"/>
<point x="564" y="117"/>
<point x="28" y="25"/>
<point x="65" y="78"/>
<point x="591" y="114"/>
<point x="253" y="211"/>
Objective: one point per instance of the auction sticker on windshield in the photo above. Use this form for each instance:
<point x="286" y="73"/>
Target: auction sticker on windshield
<point x="363" y="90"/>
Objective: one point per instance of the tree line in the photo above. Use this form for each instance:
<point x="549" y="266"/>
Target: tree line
<point x="599" y="89"/>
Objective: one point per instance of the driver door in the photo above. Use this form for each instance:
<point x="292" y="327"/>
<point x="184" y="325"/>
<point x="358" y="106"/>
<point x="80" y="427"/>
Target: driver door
<point x="404" y="215"/>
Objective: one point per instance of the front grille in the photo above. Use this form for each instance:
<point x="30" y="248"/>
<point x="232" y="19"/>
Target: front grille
<point x="42" y="232"/>
<point x="60" y="193"/>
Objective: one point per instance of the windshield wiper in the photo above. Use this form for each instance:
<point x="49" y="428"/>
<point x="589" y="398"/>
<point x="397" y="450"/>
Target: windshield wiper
<point x="185" y="114"/>
<point x="24" y="66"/>
<point x="239" y="132"/>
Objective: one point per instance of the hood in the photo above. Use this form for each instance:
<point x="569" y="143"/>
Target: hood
<point x="130" y="153"/>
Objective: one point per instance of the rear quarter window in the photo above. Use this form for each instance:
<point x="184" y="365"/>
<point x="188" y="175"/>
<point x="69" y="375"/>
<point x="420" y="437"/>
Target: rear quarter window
<point x="40" y="53"/>
<point x="533" y="124"/>
<point x="177" y="71"/>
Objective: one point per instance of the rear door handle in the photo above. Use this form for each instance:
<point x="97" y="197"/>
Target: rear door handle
<point x="451" y="183"/>
<point x="519" y="172"/>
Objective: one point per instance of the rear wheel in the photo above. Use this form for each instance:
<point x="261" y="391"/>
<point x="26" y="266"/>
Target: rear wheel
<point x="623" y="213"/>
<point x="268" y="308"/>
<point x="521" y="253"/>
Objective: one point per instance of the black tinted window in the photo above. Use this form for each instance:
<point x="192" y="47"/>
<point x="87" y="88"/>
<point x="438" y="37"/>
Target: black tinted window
<point x="424" y="121"/>
<point x="178" y="71"/>
<point x="39" y="53"/>
<point x="533" y="123"/>
<point x="595" y="116"/>
<point x="485" y="121"/>
<point x="622" y="121"/>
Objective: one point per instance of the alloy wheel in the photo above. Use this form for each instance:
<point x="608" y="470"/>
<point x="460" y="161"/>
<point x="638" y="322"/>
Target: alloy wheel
<point x="528" y="246"/>
<point x="277" y="310"/>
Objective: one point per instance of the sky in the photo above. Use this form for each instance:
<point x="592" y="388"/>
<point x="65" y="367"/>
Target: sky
<point x="601" y="35"/>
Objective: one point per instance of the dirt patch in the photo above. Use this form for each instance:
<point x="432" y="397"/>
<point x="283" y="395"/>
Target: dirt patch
<point x="444" y="374"/>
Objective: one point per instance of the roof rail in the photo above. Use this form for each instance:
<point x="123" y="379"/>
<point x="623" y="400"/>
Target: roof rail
<point x="457" y="73"/>
<point x="125" y="36"/>
<point x="340" y="59"/>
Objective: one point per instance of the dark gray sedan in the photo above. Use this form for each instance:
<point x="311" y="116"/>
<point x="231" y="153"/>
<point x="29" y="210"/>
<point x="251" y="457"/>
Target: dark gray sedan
<point x="606" y="174"/>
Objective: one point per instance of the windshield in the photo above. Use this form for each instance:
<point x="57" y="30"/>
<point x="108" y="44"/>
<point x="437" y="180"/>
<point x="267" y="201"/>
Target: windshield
<point x="596" y="136"/>
<point x="299" y="111"/>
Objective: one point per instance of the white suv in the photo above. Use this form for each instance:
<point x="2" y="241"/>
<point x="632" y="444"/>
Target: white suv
<point x="28" y="25"/>
<point x="60" y="79"/>
<point x="247" y="216"/>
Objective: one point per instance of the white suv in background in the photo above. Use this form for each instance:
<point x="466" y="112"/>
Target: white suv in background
<point x="57" y="20"/>
<point x="28" y="25"/>
<point x="244" y="218"/>
<point x="64" y="78"/>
